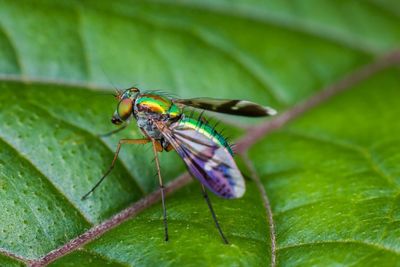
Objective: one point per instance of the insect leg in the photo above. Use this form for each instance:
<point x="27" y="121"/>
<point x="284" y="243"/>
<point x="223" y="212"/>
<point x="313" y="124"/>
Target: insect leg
<point x="213" y="214"/>
<point x="161" y="189"/>
<point x="120" y="143"/>
<point x="114" y="131"/>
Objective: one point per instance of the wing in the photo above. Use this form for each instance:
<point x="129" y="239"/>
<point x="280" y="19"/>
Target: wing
<point x="206" y="156"/>
<point x="228" y="106"/>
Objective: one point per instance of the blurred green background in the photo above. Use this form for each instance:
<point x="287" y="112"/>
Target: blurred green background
<point x="332" y="176"/>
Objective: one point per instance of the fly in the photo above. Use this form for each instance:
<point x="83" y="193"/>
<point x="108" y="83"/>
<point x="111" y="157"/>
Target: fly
<point x="206" y="153"/>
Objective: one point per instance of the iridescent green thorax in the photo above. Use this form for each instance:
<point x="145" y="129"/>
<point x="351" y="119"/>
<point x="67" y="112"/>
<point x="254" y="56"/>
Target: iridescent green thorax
<point x="207" y="130"/>
<point x="152" y="102"/>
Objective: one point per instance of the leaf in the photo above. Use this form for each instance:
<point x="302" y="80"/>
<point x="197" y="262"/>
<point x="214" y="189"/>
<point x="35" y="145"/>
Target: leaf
<point x="333" y="179"/>
<point x="331" y="176"/>
<point x="5" y="261"/>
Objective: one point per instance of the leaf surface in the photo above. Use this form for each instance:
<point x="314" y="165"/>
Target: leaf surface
<point x="331" y="176"/>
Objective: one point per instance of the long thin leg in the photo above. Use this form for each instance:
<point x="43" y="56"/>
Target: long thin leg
<point x="156" y="149"/>
<point x="213" y="214"/>
<point x="114" y="131"/>
<point x="120" y="143"/>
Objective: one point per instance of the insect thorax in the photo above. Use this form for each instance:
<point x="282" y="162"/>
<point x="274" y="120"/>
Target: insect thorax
<point x="151" y="107"/>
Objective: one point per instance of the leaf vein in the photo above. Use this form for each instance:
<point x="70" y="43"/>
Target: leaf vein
<point x="18" y="61"/>
<point x="341" y="242"/>
<point x="45" y="178"/>
<point x="304" y="205"/>
<point x="223" y="50"/>
<point x="267" y="206"/>
<point x="292" y="24"/>
<point x="95" y="137"/>
<point x="345" y="144"/>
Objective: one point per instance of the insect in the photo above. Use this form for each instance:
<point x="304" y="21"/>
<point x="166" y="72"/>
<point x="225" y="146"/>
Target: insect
<point x="206" y="153"/>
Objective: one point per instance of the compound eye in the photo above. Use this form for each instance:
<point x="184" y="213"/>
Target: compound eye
<point x="125" y="108"/>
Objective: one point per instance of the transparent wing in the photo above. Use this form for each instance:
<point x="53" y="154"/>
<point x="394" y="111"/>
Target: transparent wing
<point x="228" y="106"/>
<point x="206" y="158"/>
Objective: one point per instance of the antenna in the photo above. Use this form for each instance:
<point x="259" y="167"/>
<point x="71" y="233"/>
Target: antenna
<point x="108" y="78"/>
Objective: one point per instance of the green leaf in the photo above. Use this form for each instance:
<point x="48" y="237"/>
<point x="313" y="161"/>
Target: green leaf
<point x="331" y="176"/>
<point x="5" y="261"/>
<point x="333" y="179"/>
